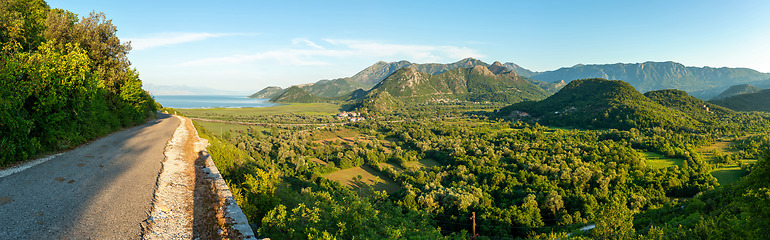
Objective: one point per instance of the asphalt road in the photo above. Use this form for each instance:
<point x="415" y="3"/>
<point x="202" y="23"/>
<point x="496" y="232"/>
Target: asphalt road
<point x="101" y="190"/>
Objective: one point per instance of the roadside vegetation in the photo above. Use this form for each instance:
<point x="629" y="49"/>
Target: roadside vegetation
<point x="64" y="80"/>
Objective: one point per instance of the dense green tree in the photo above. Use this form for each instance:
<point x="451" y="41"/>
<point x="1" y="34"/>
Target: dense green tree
<point x="614" y="221"/>
<point x="62" y="81"/>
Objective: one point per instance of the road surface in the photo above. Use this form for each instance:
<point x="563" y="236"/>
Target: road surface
<point x="101" y="190"/>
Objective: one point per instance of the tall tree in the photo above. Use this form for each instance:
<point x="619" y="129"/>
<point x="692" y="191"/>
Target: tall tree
<point x="615" y="221"/>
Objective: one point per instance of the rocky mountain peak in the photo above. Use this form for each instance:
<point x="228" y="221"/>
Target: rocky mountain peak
<point x="481" y="70"/>
<point x="498" y="68"/>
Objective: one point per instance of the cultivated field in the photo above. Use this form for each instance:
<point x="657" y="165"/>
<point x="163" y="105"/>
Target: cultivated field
<point x="656" y="160"/>
<point x="368" y="176"/>
<point x="296" y="108"/>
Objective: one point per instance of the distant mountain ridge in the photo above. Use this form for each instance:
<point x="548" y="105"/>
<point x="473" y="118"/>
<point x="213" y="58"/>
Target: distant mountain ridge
<point x="370" y="76"/>
<point x="701" y="82"/>
<point x="650" y="76"/>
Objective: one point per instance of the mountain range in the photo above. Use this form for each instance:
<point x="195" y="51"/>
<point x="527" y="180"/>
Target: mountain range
<point x="493" y="83"/>
<point x="367" y="78"/>
<point x="701" y="82"/>
<point x="477" y="84"/>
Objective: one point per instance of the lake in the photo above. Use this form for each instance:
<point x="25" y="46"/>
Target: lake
<point x="211" y="101"/>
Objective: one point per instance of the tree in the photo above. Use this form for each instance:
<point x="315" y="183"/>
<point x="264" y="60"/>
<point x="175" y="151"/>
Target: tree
<point x="614" y="221"/>
<point x="553" y="202"/>
<point x="21" y="25"/>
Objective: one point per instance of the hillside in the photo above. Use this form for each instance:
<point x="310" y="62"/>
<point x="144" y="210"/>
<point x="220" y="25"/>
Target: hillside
<point x="737" y="90"/>
<point x="294" y="94"/>
<point x="268" y="92"/>
<point x="478" y="84"/>
<point x="649" y="76"/>
<point x="758" y="101"/>
<point x="700" y="110"/>
<point x="378" y="101"/>
<point x="599" y="103"/>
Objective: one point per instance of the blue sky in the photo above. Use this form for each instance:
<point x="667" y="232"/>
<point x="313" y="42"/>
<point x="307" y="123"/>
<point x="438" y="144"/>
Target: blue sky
<point x="244" y="46"/>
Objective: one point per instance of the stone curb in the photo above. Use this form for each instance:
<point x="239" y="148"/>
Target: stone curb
<point x="233" y="212"/>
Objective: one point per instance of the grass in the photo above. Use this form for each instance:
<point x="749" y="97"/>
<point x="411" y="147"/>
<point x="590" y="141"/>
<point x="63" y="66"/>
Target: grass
<point x="719" y="146"/>
<point x="342" y="134"/>
<point x="297" y="108"/>
<point x="219" y="128"/>
<point x="390" y="165"/>
<point x="368" y="176"/>
<point x="729" y="174"/>
<point x="656" y="160"/>
<point x="423" y="163"/>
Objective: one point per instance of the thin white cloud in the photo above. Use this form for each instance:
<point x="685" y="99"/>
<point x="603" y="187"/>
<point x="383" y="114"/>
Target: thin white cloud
<point x="317" y="55"/>
<point x="417" y="53"/>
<point x="166" y="39"/>
<point x="300" y="57"/>
<point x="306" y="42"/>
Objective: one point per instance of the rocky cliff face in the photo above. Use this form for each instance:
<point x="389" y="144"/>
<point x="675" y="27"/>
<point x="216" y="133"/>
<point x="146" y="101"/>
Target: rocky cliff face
<point x="519" y="70"/>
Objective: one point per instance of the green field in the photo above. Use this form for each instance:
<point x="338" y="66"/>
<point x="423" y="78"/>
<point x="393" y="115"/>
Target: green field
<point x="423" y="163"/>
<point x="656" y="160"/>
<point x="220" y="128"/>
<point x="368" y="176"/>
<point x="730" y="173"/>
<point x="342" y="134"/>
<point x="719" y="146"/>
<point x="297" y="108"/>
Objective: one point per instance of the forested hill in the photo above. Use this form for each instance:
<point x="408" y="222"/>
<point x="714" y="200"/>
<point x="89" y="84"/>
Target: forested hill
<point x="737" y="90"/>
<point x="600" y="103"/>
<point x="702" y="111"/>
<point x="758" y="101"/>
<point x="477" y="84"/>
<point x="649" y="76"/>
<point x="59" y="85"/>
<point x="268" y="92"/>
<point x="295" y="94"/>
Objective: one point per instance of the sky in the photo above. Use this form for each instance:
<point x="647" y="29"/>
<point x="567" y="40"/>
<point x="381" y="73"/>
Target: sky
<point x="244" y="46"/>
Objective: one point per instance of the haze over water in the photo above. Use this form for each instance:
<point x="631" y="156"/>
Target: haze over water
<point x="211" y="101"/>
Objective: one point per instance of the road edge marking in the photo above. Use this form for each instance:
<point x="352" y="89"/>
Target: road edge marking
<point x="27" y="165"/>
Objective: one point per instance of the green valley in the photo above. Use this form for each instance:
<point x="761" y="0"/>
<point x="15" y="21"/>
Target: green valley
<point x="534" y="169"/>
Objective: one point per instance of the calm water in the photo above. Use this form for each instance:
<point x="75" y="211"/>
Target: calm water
<point x="211" y="101"/>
